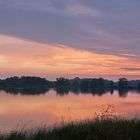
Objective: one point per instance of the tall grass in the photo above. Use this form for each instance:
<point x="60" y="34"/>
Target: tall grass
<point x="105" y="127"/>
<point x="87" y="130"/>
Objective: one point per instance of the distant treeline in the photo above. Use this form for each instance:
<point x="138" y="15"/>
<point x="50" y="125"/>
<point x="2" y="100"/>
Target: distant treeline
<point x="36" y="85"/>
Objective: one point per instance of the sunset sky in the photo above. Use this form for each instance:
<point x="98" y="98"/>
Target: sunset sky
<point x="85" y="38"/>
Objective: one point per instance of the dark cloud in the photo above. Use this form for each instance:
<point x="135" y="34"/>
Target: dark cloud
<point x="131" y="69"/>
<point x="110" y="27"/>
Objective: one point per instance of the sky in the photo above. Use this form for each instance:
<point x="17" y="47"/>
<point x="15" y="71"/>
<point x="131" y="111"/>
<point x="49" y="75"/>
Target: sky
<point x="53" y="38"/>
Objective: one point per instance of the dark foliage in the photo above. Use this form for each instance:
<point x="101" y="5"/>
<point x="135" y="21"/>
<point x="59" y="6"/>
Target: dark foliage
<point x="61" y="81"/>
<point x="24" y="81"/>
<point x="111" y="129"/>
<point x="37" y="85"/>
<point x="123" y="83"/>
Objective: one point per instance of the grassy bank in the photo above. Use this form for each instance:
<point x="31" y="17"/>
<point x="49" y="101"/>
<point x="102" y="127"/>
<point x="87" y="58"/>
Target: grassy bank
<point x="114" y="129"/>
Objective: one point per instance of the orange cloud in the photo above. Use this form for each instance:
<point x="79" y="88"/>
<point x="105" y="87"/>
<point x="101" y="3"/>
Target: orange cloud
<point x="23" y="57"/>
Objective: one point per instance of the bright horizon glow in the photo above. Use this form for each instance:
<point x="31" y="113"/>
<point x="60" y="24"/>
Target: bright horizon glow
<point x="24" y="57"/>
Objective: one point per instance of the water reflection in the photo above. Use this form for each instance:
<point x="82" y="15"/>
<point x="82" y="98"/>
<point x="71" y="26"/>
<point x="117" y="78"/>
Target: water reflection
<point x="62" y="90"/>
<point x="93" y="91"/>
<point x="26" y="91"/>
<point x="50" y="106"/>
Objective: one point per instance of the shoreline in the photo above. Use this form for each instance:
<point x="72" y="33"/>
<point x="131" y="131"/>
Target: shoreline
<point x="98" y="129"/>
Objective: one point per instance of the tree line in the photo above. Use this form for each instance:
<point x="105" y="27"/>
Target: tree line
<point x="37" y="85"/>
<point x="38" y="82"/>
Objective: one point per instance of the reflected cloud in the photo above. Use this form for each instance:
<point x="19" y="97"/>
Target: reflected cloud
<point x="49" y="109"/>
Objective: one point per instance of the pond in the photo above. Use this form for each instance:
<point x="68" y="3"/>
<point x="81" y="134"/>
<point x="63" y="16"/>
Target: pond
<point x="22" y="111"/>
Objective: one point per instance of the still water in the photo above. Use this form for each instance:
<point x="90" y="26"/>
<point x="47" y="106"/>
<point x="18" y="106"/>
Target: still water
<point x="32" y="111"/>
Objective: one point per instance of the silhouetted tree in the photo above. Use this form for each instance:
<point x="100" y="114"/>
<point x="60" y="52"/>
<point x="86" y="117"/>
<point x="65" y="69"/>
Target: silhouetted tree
<point x="97" y="83"/>
<point x="24" y="82"/>
<point x="111" y="83"/>
<point x="84" y="84"/>
<point x="61" y="81"/>
<point x="12" y="81"/>
<point x="138" y="85"/>
<point x="123" y="82"/>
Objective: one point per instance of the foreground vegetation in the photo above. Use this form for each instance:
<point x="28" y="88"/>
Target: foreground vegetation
<point x="105" y="129"/>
